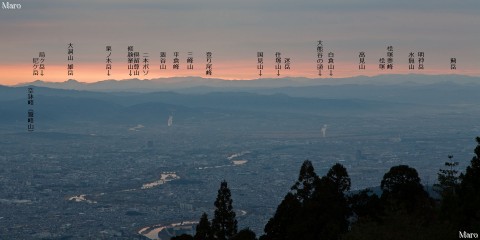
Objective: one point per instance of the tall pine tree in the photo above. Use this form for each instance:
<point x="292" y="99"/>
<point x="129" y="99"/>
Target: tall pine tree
<point x="328" y="209"/>
<point x="288" y="221"/>
<point x="447" y="186"/>
<point x="224" y="223"/>
<point x="339" y="176"/>
<point x="316" y="208"/>
<point x="305" y="185"/>
<point x="447" y="178"/>
<point x="282" y="225"/>
<point x="204" y="229"/>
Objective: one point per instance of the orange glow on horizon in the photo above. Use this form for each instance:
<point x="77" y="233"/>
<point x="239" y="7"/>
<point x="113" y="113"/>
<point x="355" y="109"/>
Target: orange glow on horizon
<point x="94" y="72"/>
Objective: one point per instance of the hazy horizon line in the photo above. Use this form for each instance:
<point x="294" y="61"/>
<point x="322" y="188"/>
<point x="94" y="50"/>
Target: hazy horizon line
<point x="237" y="79"/>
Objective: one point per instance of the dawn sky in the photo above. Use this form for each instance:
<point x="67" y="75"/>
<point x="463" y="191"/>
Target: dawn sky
<point x="234" y="31"/>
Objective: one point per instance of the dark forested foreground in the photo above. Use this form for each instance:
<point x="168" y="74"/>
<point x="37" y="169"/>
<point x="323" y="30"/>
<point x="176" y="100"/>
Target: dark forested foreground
<point x="323" y="208"/>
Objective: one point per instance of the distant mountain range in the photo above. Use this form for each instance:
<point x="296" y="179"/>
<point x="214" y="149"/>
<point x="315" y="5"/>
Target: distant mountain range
<point x="198" y="84"/>
<point x="58" y="104"/>
<point x="132" y="101"/>
<point x="412" y="89"/>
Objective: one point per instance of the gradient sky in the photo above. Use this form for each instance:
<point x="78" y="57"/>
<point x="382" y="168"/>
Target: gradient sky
<point x="234" y="31"/>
